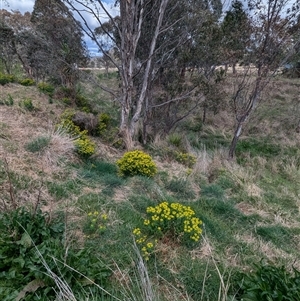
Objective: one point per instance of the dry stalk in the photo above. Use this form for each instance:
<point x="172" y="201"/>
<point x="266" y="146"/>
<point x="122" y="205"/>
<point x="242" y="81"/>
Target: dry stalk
<point x="11" y="188"/>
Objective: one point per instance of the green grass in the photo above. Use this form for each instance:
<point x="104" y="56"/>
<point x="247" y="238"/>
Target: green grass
<point x="38" y="144"/>
<point x="181" y="188"/>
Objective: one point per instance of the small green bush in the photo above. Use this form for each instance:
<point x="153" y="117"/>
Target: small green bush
<point x="27" y="82"/>
<point x="175" y="139"/>
<point x="137" y="163"/>
<point x="46" y="88"/>
<point x="6" y="78"/>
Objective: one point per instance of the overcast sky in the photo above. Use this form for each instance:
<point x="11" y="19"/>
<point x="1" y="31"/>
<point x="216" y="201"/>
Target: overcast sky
<point x="27" y="5"/>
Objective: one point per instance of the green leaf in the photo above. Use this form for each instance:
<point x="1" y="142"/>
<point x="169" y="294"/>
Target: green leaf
<point x="19" y="260"/>
<point x="25" y="240"/>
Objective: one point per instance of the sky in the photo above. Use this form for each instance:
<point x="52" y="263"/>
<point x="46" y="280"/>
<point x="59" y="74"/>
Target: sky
<point x="27" y="5"/>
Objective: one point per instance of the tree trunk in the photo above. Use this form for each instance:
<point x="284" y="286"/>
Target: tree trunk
<point x="235" y="139"/>
<point x="234" y="68"/>
<point x="147" y="74"/>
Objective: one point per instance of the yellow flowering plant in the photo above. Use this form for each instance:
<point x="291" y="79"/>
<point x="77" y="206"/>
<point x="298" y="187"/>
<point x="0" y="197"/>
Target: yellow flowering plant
<point x="85" y="147"/>
<point x="177" y="221"/>
<point x="186" y="159"/>
<point x="96" y="223"/>
<point x="136" y="163"/>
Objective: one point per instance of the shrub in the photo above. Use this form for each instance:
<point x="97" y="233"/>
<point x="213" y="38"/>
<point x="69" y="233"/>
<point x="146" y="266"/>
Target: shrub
<point x="84" y="146"/>
<point x="174" y="220"/>
<point x="6" y="78"/>
<point x="137" y="163"/>
<point x="104" y="120"/>
<point x="27" y="82"/>
<point x="46" y="88"/>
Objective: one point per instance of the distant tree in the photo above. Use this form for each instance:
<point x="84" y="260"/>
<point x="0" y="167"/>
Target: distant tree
<point x="269" y="35"/>
<point x="236" y="34"/>
<point x="7" y="46"/>
<point x="20" y="26"/>
<point x="62" y="34"/>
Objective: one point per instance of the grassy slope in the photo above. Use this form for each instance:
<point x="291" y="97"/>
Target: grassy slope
<point x="250" y="208"/>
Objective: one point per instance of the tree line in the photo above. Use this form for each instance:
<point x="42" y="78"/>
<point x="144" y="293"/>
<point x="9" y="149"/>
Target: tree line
<point x="166" y="53"/>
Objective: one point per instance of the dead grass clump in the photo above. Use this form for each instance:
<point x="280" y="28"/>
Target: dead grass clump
<point x="203" y="162"/>
<point x="61" y="147"/>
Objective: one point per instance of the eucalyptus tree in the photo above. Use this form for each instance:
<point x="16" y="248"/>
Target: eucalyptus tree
<point x="7" y="47"/>
<point x="20" y="37"/>
<point x="150" y="38"/>
<point x="270" y="21"/>
<point x="62" y="35"/>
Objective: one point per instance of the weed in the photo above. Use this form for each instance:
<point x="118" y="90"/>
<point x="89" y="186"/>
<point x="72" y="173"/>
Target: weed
<point x="186" y="159"/>
<point x="269" y="283"/>
<point x="137" y="163"/>
<point x="85" y="147"/>
<point x="104" y="121"/>
<point x="27" y="104"/>
<point x="95" y="223"/>
<point x="38" y="144"/>
<point x="173" y="220"/>
<point x="8" y="102"/>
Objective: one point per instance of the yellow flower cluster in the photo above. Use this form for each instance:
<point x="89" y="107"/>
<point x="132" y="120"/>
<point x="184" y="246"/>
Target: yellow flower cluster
<point x="146" y="245"/>
<point x="165" y="219"/>
<point x="96" y="222"/>
<point x="137" y="163"/>
<point x="84" y="146"/>
<point x="174" y="217"/>
<point x="185" y="158"/>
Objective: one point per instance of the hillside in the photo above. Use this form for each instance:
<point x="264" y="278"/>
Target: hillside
<point x="249" y="207"/>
